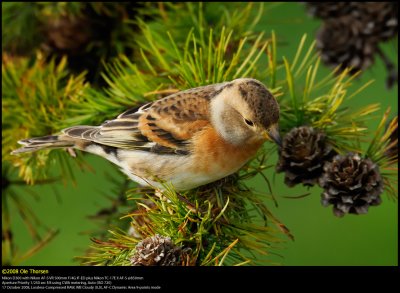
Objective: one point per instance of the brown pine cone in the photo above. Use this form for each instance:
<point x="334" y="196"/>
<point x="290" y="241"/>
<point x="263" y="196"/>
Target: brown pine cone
<point x="341" y="42"/>
<point x="157" y="251"/>
<point x="302" y="156"/>
<point x="327" y="10"/>
<point x="68" y="34"/>
<point x="379" y="19"/>
<point x="351" y="184"/>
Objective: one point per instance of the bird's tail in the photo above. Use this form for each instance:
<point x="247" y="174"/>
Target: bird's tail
<point x="44" y="142"/>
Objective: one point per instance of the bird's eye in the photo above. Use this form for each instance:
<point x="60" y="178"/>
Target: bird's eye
<point x="248" y="122"/>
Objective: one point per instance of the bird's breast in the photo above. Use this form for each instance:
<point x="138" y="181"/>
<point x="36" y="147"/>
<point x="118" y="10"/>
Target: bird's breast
<point x="214" y="156"/>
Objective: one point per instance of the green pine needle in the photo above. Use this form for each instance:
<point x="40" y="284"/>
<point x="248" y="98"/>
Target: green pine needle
<point x="378" y="149"/>
<point x="322" y="103"/>
<point x="36" y="99"/>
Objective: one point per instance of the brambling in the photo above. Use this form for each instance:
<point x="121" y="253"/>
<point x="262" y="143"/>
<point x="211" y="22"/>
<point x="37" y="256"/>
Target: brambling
<point x="189" y="138"/>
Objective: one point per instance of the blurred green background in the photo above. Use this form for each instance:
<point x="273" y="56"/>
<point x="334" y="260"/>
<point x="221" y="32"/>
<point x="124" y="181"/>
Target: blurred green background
<point x="320" y="237"/>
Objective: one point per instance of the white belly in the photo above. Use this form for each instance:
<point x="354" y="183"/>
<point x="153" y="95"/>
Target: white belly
<point x="143" y="167"/>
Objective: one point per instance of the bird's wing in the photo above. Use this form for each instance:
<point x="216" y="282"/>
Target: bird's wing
<point x="162" y="126"/>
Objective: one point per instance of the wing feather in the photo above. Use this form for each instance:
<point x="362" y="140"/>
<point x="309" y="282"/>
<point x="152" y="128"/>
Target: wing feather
<point x="164" y="126"/>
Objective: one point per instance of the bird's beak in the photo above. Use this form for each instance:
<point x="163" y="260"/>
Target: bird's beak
<point x="273" y="134"/>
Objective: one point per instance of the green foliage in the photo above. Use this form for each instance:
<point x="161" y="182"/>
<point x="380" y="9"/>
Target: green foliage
<point x="223" y="223"/>
<point x="19" y="23"/>
<point x="321" y="103"/>
<point x="24" y="23"/>
<point x="203" y="16"/>
<point x="378" y="149"/>
<point x="27" y="26"/>
<point x="87" y="32"/>
<point x="36" y="99"/>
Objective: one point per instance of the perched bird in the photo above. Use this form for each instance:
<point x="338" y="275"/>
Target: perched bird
<point x="189" y="138"/>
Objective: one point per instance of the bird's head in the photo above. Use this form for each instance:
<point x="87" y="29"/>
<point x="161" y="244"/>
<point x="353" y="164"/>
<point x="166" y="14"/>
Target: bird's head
<point x="244" y="111"/>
